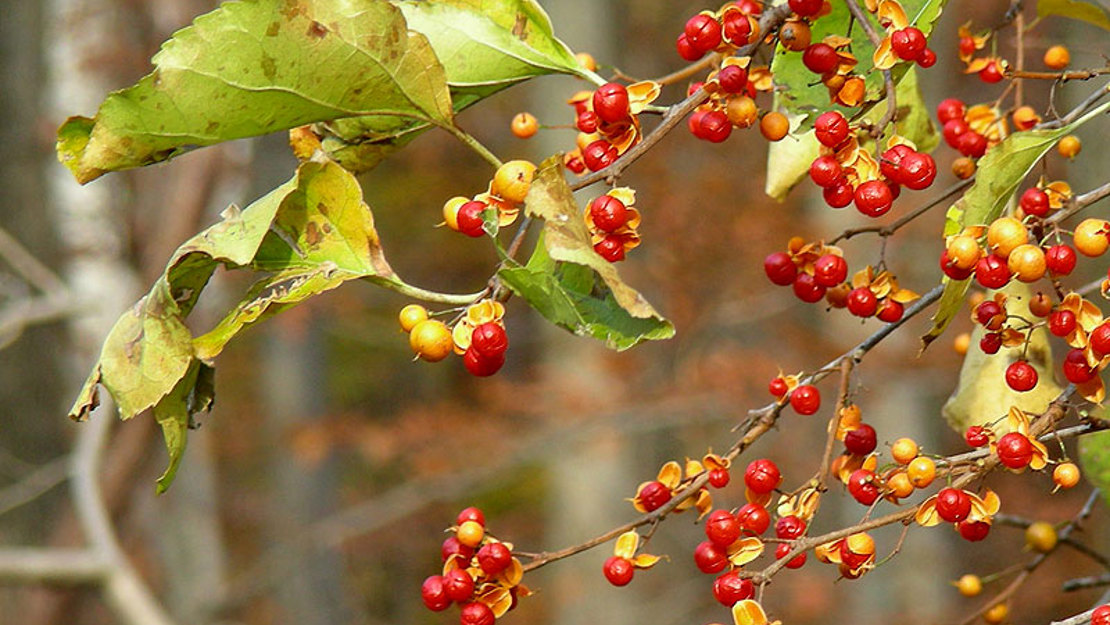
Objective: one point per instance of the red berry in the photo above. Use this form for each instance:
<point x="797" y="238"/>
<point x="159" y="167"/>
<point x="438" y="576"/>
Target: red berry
<point x="991" y="343"/>
<point x="1060" y="259"/>
<point x="862" y="302"/>
<point x="987" y="313"/>
<point x="494" y="558"/>
<point x="1034" y="202"/>
<point x="653" y="495"/>
<point x="709" y="558"/>
<point x="891" y="162"/>
<point x="1099" y="340"/>
<point x="780" y="268"/>
<point x="992" y="272"/>
<point x="992" y="73"/>
<point x="1014" y="450"/>
<point x="703" y="32"/>
<point x="805" y="8"/>
<point x="719" y="478"/>
<point x="777" y="387"/>
<point x="714" y="127"/>
<point x="470" y="219"/>
<point x="862" y="487"/>
<point x="489" y="339"/>
<point x="820" y="58"/>
<point x="976" y="436"/>
<point x="434" y="594"/>
<point x="973" y="531"/>
<point x="481" y="365"/>
<point x="971" y="144"/>
<point x="840" y="194"/>
<point x="805" y="400"/>
<point x="1101" y="615"/>
<point x="452" y="546"/>
<point x="860" y="441"/>
<point x="908" y="43"/>
<point x="784" y="550"/>
<point x="953" y="505"/>
<point x="471" y="514"/>
<point x="917" y="171"/>
<point x="830" y="270"/>
<point x="762" y="476"/>
<point x="951" y="270"/>
<point x="611" y="102"/>
<point x="873" y="198"/>
<point x="730" y="588"/>
<point x="476" y="613"/>
<point x="927" y="59"/>
<point x="1021" y="376"/>
<point x="890" y="311"/>
<point x="611" y="248"/>
<point x="458" y="584"/>
<point x="736" y="29"/>
<point x="686" y="50"/>
<point x="1061" y="322"/>
<point x="722" y="528"/>
<point x="1076" y="369"/>
<point x="587" y="121"/>
<point x="831" y="128"/>
<point x="950" y="109"/>
<point x="733" y="78"/>
<point x="807" y="289"/>
<point x="618" y="570"/>
<point x="825" y="171"/>
<point x="952" y="130"/>
<point x="608" y="213"/>
<point x="967" y="46"/>
<point x="599" y="155"/>
<point x="754" y="518"/>
<point x="790" y="527"/>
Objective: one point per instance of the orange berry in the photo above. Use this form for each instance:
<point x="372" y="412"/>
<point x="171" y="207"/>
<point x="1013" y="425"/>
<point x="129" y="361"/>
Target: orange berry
<point x="1069" y="146"/>
<point x="1027" y="261"/>
<point x="900" y="485"/>
<point x="1090" y="237"/>
<point x="794" y="36"/>
<point x="1025" y="117"/>
<point x="963" y="168"/>
<point x="1057" y="57"/>
<point x="997" y="614"/>
<point x="1041" y="537"/>
<point x="1040" y="305"/>
<point x="774" y="126"/>
<point x="969" y="585"/>
<point x="742" y="111"/>
<point x="411" y="315"/>
<point x="524" y="125"/>
<point x="904" y="450"/>
<point x="964" y="251"/>
<point x="922" y="470"/>
<point x="512" y="180"/>
<point x="431" y="340"/>
<point x="1005" y="234"/>
<point x="1066" y="475"/>
<point x="451" y="211"/>
<point x="961" y="343"/>
<point x="470" y="533"/>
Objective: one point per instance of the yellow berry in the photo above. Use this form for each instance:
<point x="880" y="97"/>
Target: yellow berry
<point x="741" y="111"/>
<point x="431" y="340"/>
<point x="1057" y="57"/>
<point x="524" y="125"/>
<point x="964" y="251"/>
<point x="904" y="450"/>
<point x="1090" y="237"/>
<point x="1027" y="262"/>
<point x="969" y="585"/>
<point x="1066" y="475"/>
<point x="470" y="533"/>
<point x="1041" y="536"/>
<point x="451" y="211"/>
<point x="512" y="180"/>
<point x="961" y="343"/>
<point x="411" y="315"/>
<point x="996" y="614"/>
<point x="922" y="471"/>
<point x="899" y="485"/>
<point x="1004" y="234"/>
<point x="774" y="126"/>
<point x="1069" y="146"/>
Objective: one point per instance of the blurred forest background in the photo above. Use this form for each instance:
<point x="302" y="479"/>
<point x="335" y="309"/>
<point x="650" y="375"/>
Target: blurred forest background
<point x="317" y="489"/>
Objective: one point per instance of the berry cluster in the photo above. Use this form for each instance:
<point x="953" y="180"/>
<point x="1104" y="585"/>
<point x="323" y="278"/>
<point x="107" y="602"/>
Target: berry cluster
<point x="971" y="131"/>
<point x="506" y="192"/>
<point x="805" y="399"/>
<point x="819" y="272"/>
<point x="479" y="336"/>
<point x="608" y="123"/>
<point x="612" y="221"/>
<point x="479" y="574"/>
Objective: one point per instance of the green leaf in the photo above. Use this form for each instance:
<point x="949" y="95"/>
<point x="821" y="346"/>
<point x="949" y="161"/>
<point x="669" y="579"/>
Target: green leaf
<point x="982" y="395"/>
<point x="314" y="232"/>
<point x="1083" y="11"/>
<point x="568" y="283"/>
<point x="998" y="176"/>
<point x="800" y="90"/>
<point x="1094" y="457"/>
<point x="484" y="46"/>
<point x="252" y="67"/>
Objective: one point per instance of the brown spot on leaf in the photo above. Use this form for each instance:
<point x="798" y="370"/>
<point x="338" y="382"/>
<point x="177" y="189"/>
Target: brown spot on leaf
<point x="316" y="30"/>
<point x="520" y="25"/>
<point x="273" y="29"/>
<point x="212" y="127"/>
<point x="312" y="234"/>
<point x="322" y="208"/>
<point x="269" y="67"/>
